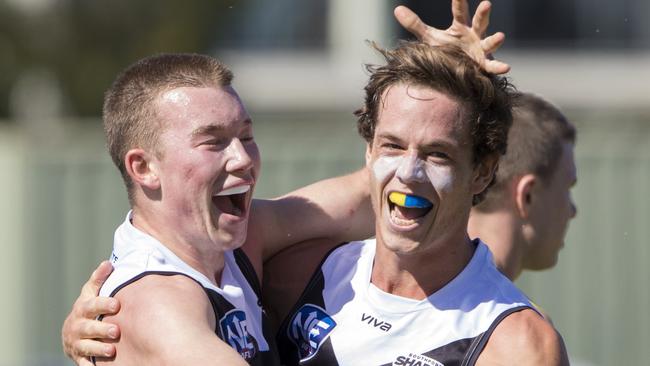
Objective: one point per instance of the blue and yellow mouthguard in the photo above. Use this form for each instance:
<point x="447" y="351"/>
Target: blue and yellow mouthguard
<point x="406" y="200"/>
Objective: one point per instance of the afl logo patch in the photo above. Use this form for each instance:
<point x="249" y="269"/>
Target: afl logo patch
<point x="235" y="331"/>
<point x="308" y="330"/>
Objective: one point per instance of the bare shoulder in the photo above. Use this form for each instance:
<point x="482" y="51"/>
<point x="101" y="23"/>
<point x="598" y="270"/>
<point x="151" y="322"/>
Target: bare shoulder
<point x="524" y="338"/>
<point x="167" y="320"/>
<point x="155" y="296"/>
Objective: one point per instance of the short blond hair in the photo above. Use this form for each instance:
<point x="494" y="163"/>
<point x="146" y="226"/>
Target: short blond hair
<point x="130" y="118"/>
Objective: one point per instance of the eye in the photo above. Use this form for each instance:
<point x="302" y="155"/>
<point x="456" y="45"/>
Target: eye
<point x="247" y="139"/>
<point x="391" y="146"/>
<point x="438" y="157"/>
<point x="438" y="154"/>
<point x="214" y="143"/>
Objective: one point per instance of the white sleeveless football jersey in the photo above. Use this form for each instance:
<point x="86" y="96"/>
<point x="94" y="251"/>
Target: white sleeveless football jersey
<point x="343" y="319"/>
<point x="236" y="304"/>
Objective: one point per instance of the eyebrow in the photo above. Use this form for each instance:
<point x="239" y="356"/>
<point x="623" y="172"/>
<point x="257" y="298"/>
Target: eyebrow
<point x="433" y="145"/>
<point x="215" y="128"/>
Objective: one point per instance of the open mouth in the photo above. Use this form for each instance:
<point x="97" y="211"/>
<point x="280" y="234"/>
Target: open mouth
<point x="232" y="201"/>
<point x="405" y="209"/>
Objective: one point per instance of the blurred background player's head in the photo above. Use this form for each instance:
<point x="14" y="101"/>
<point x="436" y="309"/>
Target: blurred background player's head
<point x="525" y="214"/>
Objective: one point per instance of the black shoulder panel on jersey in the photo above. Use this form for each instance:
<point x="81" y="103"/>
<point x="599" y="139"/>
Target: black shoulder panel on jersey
<point x="479" y="342"/>
<point x="247" y="269"/>
<point x="313" y="294"/>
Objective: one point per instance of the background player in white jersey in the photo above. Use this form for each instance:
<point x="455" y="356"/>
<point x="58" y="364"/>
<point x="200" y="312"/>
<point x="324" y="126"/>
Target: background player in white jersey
<point x="435" y="127"/>
<point x="525" y="215"/>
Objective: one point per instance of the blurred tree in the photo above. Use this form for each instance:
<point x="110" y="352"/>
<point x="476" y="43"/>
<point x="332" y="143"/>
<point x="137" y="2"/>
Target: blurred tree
<point x="85" y="43"/>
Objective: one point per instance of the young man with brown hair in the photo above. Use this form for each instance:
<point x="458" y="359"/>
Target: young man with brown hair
<point x="422" y="291"/>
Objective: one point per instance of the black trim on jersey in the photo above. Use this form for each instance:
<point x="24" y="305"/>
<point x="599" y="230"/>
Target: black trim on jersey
<point x="161" y="273"/>
<point x="247" y="269"/>
<point x="271" y="356"/>
<point x="286" y="348"/>
<point x="449" y="355"/>
<point x="220" y="307"/>
<point x="316" y="279"/>
<point x="479" y="342"/>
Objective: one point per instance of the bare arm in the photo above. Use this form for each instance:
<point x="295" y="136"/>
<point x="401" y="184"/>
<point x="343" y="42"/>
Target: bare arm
<point x="466" y="35"/>
<point x="168" y="320"/>
<point x="80" y="327"/>
<point x="524" y="338"/>
<point x="336" y="209"/>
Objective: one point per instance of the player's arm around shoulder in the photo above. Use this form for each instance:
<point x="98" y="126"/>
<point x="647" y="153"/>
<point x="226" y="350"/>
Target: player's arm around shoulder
<point x="524" y="338"/>
<point x="337" y="209"/>
<point x="168" y="320"/>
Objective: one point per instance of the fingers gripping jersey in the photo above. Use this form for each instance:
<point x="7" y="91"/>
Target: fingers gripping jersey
<point x="240" y="319"/>
<point x="342" y="319"/>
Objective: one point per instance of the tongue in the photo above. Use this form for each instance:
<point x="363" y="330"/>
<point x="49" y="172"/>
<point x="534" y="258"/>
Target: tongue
<point x="410" y="213"/>
<point x="224" y="204"/>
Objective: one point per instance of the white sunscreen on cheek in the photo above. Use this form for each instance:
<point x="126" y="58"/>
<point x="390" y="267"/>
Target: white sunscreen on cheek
<point x="385" y="167"/>
<point x="440" y="177"/>
<point x="414" y="169"/>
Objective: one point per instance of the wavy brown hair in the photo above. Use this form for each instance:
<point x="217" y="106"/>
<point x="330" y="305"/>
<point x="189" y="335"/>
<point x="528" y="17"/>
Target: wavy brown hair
<point x="486" y="98"/>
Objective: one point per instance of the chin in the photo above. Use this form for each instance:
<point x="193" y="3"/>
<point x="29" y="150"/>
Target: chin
<point x="231" y="240"/>
<point x="399" y="244"/>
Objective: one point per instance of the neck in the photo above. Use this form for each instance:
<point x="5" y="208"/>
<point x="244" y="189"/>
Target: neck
<point x="206" y="259"/>
<point x="499" y="231"/>
<point x="419" y="274"/>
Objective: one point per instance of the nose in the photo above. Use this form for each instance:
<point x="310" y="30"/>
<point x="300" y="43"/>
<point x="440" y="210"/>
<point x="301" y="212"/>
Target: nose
<point x="411" y="169"/>
<point x="238" y="157"/>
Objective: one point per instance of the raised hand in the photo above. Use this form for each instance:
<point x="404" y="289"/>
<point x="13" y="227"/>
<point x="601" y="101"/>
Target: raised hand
<point x="461" y="33"/>
<point x="80" y="327"/>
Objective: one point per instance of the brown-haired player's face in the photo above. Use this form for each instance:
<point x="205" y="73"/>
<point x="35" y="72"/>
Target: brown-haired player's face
<point x="421" y="148"/>
<point x="209" y="163"/>
<point x="552" y="210"/>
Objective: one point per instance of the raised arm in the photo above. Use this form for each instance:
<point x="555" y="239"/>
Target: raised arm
<point x="80" y="328"/>
<point x="466" y="35"/>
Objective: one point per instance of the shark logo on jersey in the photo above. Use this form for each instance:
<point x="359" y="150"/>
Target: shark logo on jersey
<point x="414" y="359"/>
<point x="235" y="331"/>
<point x="308" y="329"/>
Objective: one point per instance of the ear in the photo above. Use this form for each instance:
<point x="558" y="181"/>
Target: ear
<point x="142" y="168"/>
<point x="524" y="194"/>
<point x="484" y="172"/>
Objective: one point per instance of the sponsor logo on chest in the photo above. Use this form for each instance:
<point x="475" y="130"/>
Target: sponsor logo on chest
<point x="373" y="321"/>
<point x="413" y="359"/>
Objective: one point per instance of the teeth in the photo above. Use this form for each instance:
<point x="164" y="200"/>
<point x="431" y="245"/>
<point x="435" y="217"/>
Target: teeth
<point x="234" y="190"/>
<point x="400" y="220"/>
